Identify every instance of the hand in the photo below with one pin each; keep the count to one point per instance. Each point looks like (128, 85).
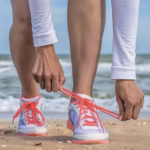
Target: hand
(130, 99)
(47, 69)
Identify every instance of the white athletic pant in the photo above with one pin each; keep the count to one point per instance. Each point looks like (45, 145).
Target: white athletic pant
(125, 21)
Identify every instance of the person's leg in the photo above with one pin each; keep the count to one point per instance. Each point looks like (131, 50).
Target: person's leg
(31, 120)
(21, 46)
(86, 20)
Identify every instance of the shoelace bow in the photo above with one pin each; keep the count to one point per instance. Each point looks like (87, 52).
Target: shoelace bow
(30, 107)
(90, 106)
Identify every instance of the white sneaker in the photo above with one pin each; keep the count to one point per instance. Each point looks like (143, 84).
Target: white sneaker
(31, 122)
(85, 123)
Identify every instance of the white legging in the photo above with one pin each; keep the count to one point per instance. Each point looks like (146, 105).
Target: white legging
(125, 21)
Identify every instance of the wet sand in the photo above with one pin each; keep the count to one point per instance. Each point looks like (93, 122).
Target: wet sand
(130, 135)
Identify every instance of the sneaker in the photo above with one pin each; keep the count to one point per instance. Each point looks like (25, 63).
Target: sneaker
(31, 121)
(85, 123)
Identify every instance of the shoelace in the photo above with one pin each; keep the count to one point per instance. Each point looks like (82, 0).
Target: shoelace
(31, 107)
(91, 106)
(84, 111)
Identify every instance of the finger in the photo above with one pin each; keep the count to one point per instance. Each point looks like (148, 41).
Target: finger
(121, 108)
(128, 113)
(48, 85)
(136, 111)
(34, 73)
(142, 102)
(141, 96)
(42, 83)
(55, 84)
(61, 79)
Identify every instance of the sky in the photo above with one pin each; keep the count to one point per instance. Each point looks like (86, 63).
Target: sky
(59, 9)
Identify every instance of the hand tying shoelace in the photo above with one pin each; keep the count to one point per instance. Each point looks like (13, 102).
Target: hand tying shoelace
(84, 104)
(31, 113)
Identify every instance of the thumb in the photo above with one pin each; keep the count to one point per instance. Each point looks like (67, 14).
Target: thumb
(121, 109)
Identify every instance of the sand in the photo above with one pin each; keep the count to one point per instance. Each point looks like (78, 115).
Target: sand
(130, 135)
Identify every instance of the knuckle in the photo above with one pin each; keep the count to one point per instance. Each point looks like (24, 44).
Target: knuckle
(63, 80)
(39, 75)
(138, 101)
(143, 96)
(55, 75)
(34, 72)
(130, 104)
(47, 75)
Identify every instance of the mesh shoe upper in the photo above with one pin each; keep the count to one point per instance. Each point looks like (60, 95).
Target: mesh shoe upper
(30, 112)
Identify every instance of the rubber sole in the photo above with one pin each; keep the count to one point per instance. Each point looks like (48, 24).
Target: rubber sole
(71, 127)
(33, 134)
(90, 142)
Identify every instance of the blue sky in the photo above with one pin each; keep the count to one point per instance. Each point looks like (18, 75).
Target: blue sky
(59, 8)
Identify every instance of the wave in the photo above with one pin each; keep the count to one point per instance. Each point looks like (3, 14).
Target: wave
(5, 69)
(107, 66)
(65, 63)
(6, 63)
(143, 67)
(102, 66)
(11, 104)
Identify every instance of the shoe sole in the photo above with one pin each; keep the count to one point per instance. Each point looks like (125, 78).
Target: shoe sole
(71, 127)
(33, 134)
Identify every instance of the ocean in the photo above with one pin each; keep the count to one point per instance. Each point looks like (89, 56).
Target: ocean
(55, 105)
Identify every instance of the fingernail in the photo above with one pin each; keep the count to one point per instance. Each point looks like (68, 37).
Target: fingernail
(61, 88)
(120, 117)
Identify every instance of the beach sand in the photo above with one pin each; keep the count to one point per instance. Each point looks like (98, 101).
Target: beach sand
(130, 135)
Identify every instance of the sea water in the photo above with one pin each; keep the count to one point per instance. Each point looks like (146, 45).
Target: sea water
(55, 105)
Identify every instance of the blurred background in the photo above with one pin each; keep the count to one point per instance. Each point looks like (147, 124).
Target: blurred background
(55, 105)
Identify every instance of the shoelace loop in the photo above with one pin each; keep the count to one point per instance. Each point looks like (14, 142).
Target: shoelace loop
(85, 102)
(31, 107)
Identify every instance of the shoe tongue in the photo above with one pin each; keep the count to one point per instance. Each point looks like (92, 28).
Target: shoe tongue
(85, 96)
(90, 100)
(34, 99)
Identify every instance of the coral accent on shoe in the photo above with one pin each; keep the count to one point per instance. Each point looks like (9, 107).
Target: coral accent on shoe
(90, 142)
(82, 102)
(34, 134)
(70, 125)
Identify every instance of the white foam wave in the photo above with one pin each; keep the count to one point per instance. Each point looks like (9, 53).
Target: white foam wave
(11, 104)
(102, 66)
(6, 63)
(143, 68)
(65, 63)
(5, 69)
